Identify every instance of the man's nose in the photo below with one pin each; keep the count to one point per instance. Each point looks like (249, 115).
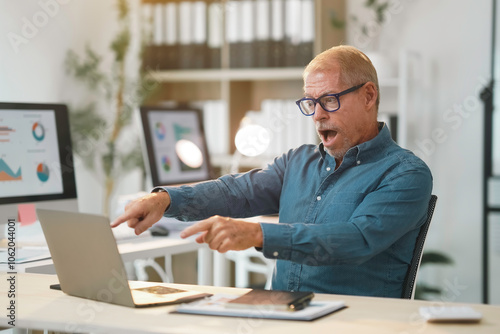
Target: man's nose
(319, 112)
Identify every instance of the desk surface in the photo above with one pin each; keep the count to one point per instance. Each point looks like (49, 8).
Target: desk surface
(38, 307)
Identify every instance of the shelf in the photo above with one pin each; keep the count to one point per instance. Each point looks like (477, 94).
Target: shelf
(247, 74)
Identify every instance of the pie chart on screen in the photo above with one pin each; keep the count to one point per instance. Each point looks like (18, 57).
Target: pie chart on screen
(42, 171)
(38, 131)
(166, 164)
(160, 130)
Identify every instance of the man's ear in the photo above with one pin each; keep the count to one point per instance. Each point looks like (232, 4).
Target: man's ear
(371, 94)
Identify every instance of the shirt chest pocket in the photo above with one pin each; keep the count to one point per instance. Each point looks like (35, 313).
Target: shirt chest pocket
(342, 206)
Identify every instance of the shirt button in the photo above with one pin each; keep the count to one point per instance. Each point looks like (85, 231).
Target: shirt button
(328, 169)
(358, 162)
(275, 254)
(318, 198)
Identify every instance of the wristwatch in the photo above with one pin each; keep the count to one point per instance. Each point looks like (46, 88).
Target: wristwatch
(160, 190)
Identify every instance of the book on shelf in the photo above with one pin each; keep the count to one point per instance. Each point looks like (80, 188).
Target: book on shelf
(277, 47)
(215, 35)
(307, 36)
(262, 33)
(190, 34)
(199, 32)
(170, 48)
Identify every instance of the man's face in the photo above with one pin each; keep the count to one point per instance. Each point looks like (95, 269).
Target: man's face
(342, 129)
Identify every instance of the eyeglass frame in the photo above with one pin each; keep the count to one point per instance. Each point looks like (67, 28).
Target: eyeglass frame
(318, 100)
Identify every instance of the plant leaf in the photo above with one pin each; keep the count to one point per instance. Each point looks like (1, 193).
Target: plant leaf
(436, 257)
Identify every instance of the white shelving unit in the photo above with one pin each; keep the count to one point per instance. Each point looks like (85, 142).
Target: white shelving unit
(244, 89)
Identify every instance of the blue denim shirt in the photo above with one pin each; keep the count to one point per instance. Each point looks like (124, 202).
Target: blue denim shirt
(346, 230)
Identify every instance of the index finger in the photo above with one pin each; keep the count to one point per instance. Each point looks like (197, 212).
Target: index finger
(204, 225)
(127, 215)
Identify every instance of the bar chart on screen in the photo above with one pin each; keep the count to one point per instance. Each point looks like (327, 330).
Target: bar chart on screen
(5, 132)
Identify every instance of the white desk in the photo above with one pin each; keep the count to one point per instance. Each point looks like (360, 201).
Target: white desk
(38, 307)
(213, 267)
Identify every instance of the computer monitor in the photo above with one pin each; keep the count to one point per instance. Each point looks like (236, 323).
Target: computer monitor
(175, 145)
(36, 159)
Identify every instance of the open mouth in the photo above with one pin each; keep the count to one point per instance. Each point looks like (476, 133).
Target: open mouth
(326, 135)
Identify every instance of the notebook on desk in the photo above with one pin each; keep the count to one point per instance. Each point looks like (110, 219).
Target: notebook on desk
(88, 264)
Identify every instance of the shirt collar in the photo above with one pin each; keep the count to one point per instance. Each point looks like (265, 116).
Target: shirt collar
(367, 150)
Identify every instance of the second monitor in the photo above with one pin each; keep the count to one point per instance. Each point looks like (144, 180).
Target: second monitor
(175, 144)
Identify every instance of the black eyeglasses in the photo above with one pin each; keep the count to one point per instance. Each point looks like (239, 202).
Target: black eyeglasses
(329, 102)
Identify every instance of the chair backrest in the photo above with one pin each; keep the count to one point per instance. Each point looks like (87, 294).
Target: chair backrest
(411, 275)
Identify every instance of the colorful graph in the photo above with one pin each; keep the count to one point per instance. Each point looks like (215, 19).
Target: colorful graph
(166, 163)
(42, 171)
(7, 174)
(38, 131)
(5, 131)
(181, 132)
(160, 130)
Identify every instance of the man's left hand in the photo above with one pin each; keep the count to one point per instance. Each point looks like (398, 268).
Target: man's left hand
(224, 234)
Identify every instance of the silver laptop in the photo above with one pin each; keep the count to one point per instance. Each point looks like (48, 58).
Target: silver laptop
(88, 263)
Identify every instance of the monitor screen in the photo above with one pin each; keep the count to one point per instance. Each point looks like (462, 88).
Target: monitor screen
(175, 145)
(36, 160)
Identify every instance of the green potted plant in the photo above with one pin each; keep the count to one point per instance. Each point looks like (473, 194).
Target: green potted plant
(366, 24)
(423, 289)
(113, 94)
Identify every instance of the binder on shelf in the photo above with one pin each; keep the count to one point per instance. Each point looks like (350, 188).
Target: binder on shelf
(199, 34)
(277, 34)
(286, 125)
(215, 125)
(169, 59)
(185, 35)
(158, 31)
(262, 33)
(147, 35)
(247, 34)
(293, 25)
(232, 13)
(215, 35)
(306, 48)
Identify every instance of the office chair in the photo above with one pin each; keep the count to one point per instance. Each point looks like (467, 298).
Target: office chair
(411, 275)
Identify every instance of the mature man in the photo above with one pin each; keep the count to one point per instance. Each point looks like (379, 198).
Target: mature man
(349, 209)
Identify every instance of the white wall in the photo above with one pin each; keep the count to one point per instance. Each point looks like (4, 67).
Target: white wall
(35, 36)
(453, 38)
